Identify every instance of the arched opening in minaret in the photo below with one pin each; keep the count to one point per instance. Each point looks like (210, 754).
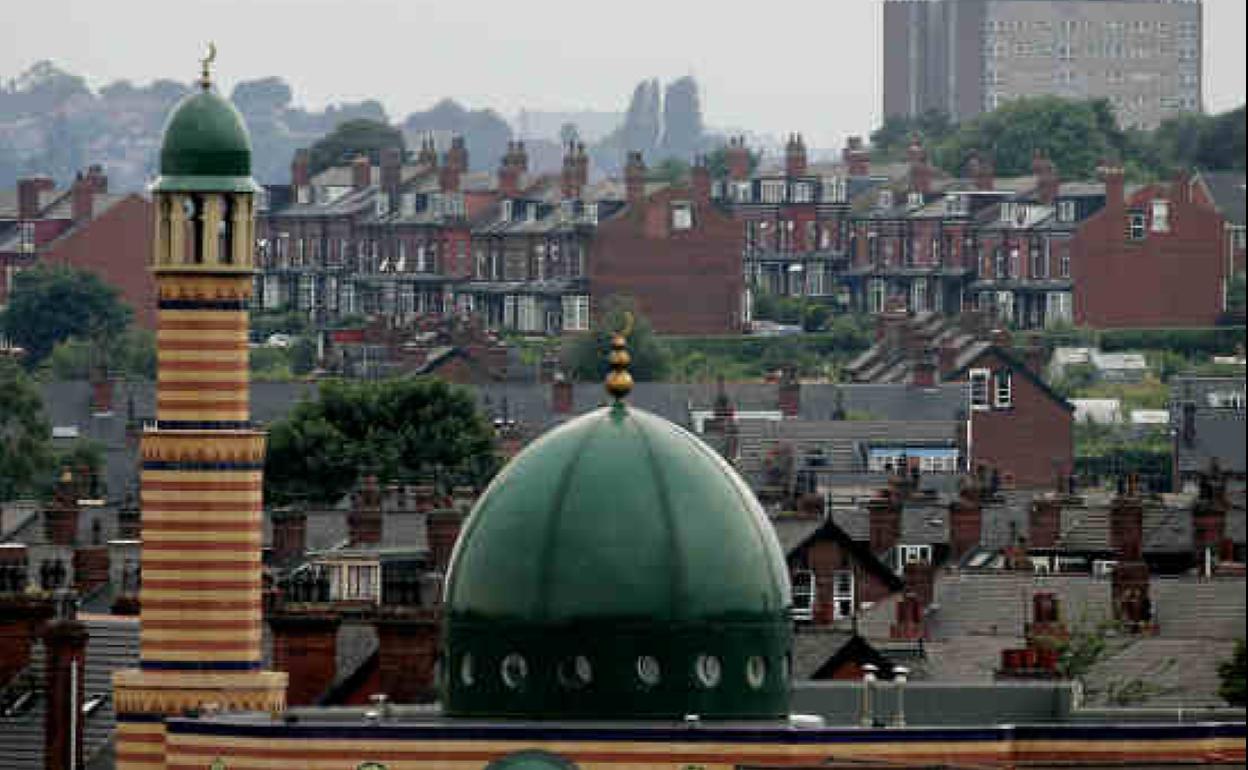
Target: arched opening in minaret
(193, 208)
(225, 231)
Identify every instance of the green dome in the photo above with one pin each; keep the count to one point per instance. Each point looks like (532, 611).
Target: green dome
(617, 568)
(205, 147)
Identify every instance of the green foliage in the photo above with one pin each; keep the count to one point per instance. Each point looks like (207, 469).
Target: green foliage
(1232, 675)
(132, 355)
(1236, 294)
(717, 162)
(892, 138)
(303, 356)
(1202, 141)
(25, 436)
(1075, 135)
(585, 356)
(1090, 644)
(396, 430)
(290, 322)
(819, 355)
(354, 137)
(270, 364)
(52, 304)
(670, 170)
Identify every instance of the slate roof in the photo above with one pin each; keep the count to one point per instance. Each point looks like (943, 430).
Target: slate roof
(975, 615)
(1227, 190)
(842, 444)
(112, 644)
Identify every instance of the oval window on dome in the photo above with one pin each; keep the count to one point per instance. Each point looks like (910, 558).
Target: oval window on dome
(755, 672)
(467, 674)
(515, 670)
(708, 670)
(576, 672)
(648, 670)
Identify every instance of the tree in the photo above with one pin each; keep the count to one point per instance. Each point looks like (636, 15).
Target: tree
(1232, 673)
(303, 356)
(52, 304)
(394, 430)
(1076, 136)
(354, 137)
(25, 437)
(586, 355)
(892, 138)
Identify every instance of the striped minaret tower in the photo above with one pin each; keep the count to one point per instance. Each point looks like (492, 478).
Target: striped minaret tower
(202, 461)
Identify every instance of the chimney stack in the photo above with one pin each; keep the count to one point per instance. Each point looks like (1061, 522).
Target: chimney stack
(364, 521)
(795, 156)
(884, 513)
(789, 394)
(305, 646)
(1113, 176)
(290, 534)
(60, 516)
(361, 172)
(634, 178)
(700, 180)
(923, 372)
(920, 171)
(455, 165)
(509, 172)
(301, 169)
(82, 200)
(65, 645)
(392, 174)
(856, 158)
(28, 191)
(561, 397)
(428, 154)
(737, 157)
(1044, 522)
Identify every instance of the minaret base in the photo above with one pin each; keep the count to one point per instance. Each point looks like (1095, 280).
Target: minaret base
(171, 693)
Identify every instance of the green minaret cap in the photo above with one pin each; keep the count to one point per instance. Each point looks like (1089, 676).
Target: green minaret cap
(206, 146)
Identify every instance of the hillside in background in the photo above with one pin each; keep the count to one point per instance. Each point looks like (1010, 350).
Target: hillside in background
(53, 123)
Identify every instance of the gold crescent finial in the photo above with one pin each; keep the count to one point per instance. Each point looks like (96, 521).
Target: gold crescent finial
(205, 78)
(619, 382)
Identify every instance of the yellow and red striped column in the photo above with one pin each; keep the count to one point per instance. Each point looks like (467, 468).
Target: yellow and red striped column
(202, 498)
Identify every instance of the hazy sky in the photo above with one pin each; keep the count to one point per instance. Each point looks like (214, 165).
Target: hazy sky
(776, 66)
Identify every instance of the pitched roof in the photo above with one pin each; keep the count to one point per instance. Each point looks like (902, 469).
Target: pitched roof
(1226, 188)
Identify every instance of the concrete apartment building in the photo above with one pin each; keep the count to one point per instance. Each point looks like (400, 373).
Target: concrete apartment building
(969, 56)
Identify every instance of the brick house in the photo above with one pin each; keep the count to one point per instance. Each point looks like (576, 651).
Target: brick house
(84, 227)
(1149, 259)
(675, 252)
(1018, 425)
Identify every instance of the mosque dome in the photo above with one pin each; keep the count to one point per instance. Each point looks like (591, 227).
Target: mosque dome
(617, 568)
(205, 147)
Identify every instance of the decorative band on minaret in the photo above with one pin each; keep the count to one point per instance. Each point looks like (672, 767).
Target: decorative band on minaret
(202, 477)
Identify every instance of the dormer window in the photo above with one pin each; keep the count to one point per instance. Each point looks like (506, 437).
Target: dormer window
(1007, 211)
(682, 215)
(506, 213)
(802, 192)
(886, 199)
(773, 192)
(914, 199)
(1161, 216)
(1066, 211)
(591, 213)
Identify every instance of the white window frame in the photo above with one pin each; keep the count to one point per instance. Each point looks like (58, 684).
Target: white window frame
(1160, 215)
(914, 554)
(575, 312)
(842, 594)
(682, 216)
(1003, 393)
(980, 381)
(803, 591)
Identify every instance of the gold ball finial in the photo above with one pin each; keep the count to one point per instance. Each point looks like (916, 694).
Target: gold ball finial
(205, 76)
(619, 382)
